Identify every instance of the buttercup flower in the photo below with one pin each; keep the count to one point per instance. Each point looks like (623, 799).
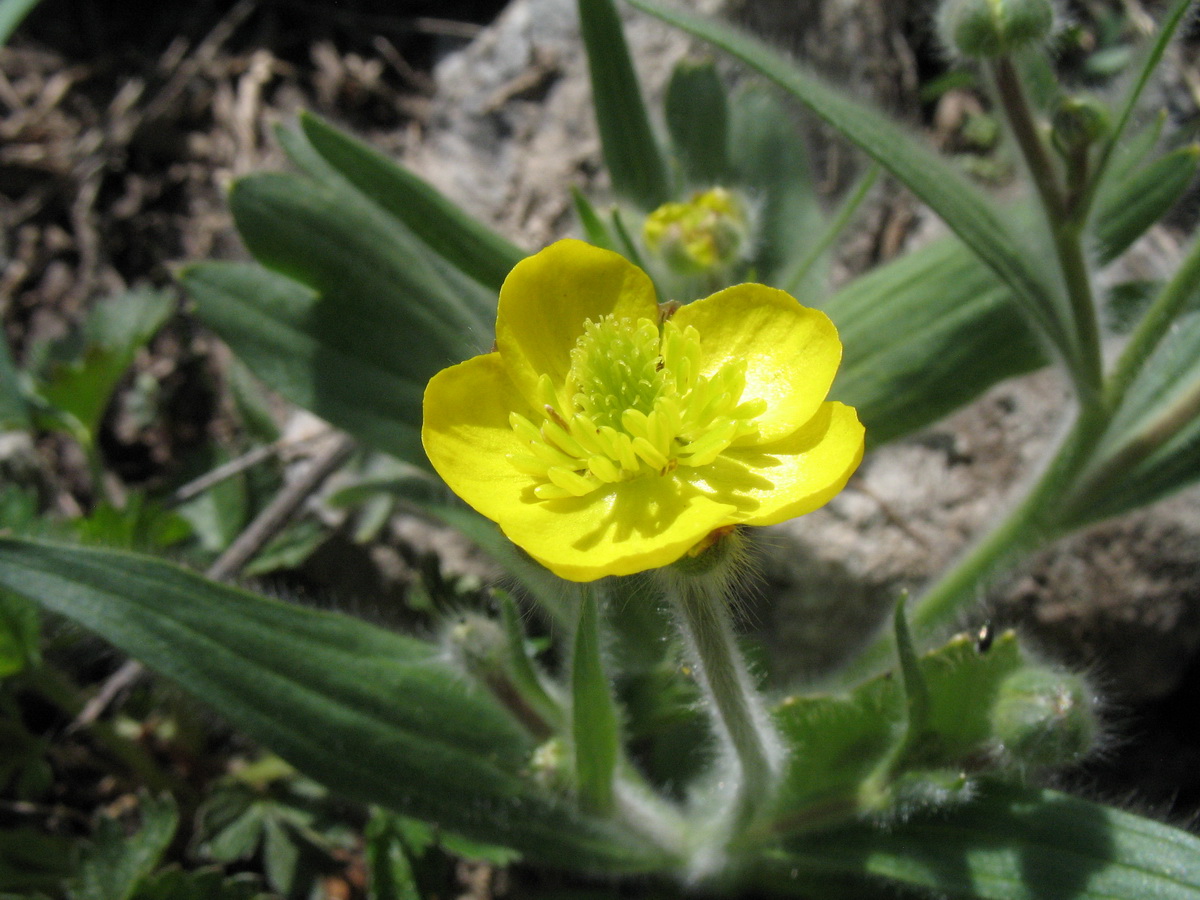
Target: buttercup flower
(607, 436)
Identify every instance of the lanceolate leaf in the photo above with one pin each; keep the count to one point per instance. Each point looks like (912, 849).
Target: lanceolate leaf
(972, 216)
(924, 335)
(330, 364)
(1010, 843)
(461, 240)
(631, 152)
(697, 116)
(378, 717)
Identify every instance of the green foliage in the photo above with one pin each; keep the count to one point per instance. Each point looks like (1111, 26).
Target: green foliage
(115, 863)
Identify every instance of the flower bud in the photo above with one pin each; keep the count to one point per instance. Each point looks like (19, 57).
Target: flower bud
(1043, 717)
(705, 233)
(990, 28)
(1077, 124)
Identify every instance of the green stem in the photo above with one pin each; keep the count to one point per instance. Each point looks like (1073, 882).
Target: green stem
(593, 712)
(741, 716)
(1066, 231)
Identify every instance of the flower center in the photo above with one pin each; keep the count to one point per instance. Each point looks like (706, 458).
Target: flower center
(633, 404)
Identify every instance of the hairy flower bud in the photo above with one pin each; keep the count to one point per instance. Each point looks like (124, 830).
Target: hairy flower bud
(990, 28)
(1078, 123)
(1044, 717)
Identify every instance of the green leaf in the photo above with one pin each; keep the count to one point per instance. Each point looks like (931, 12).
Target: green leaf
(12, 13)
(1010, 843)
(593, 712)
(631, 152)
(461, 240)
(364, 262)
(320, 360)
(1127, 209)
(81, 383)
(593, 225)
(376, 716)
(201, 884)
(14, 412)
(697, 118)
(837, 742)
(31, 860)
(971, 215)
(390, 872)
(20, 628)
(768, 156)
(923, 335)
(115, 863)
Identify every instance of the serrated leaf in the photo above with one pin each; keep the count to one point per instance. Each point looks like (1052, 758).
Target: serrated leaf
(115, 863)
(1010, 843)
(630, 149)
(375, 716)
(973, 217)
(464, 242)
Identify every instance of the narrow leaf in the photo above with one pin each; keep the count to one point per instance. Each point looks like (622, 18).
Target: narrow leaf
(1010, 843)
(464, 242)
(13, 412)
(768, 156)
(972, 216)
(697, 117)
(631, 152)
(376, 716)
(332, 364)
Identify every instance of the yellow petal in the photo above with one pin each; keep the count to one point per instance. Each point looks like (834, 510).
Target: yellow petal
(547, 297)
(791, 352)
(624, 528)
(468, 437)
(775, 482)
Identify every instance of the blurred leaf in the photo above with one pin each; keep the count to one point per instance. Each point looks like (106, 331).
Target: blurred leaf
(768, 156)
(20, 629)
(1010, 843)
(115, 862)
(375, 716)
(14, 413)
(253, 404)
(923, 335)
(12, 13)
(973, 217)
(631, 152)
(593, 225)
(1128, 208)
(31, 860)
(201, 884)
(1152, 445)
(697, 118)
(83, 373)
(464, 242)
(390, 872)
(288, 549)
(141, 524)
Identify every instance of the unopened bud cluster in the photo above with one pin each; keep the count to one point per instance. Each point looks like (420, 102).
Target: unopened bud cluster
(989, 28)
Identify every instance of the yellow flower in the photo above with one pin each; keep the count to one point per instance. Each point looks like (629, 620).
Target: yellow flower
(607, 436)
(706, 231)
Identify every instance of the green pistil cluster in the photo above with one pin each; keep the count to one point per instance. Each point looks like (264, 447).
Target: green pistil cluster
(637, 406)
